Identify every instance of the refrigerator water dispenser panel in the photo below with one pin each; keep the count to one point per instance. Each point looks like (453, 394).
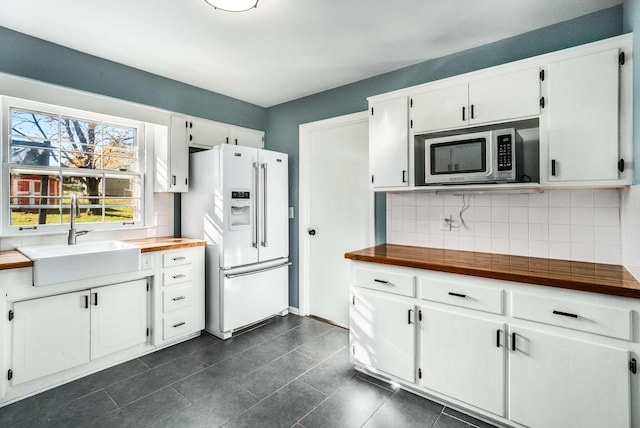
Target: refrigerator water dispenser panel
(240, 210)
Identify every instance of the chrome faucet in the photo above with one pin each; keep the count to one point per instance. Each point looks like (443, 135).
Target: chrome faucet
(75, 211)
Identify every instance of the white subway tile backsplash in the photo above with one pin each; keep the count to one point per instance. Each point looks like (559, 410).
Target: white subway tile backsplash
(409, 199)
(396, 199)
(565, 224)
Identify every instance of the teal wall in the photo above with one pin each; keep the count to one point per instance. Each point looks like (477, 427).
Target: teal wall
(632, 21)
(28, 56)
(283, 120)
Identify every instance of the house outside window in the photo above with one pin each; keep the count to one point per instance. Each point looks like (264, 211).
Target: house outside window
(52, 152)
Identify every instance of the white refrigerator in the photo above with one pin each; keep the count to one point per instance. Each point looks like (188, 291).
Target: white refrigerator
(238, 203)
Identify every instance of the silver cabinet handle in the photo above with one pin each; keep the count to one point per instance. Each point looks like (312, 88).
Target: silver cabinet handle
(180, 324)
(175, 299)
(264, 206)
(256, 178)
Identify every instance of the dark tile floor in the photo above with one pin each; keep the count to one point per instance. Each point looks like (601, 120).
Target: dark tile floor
(290, 372)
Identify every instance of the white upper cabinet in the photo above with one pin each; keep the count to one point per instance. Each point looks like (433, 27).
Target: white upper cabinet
(582, 119)
(246, 137)
(503, 97)
(171, 156)
(389, 143)
(205, 133)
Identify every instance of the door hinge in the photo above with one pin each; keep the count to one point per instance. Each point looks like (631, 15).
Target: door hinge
(621, 58)
(542, 103)
(371, 111)
(633, 366)
(419, 373)
(9, 374)
(542, 75)
(148, 331)
(11, 315)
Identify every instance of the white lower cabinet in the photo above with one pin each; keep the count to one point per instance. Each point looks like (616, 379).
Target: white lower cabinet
(519, 354)
(382, 331)
(463, 357)
(55, 333)
(556, 381)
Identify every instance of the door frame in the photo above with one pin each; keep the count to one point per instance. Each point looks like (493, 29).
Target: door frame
(304, 198)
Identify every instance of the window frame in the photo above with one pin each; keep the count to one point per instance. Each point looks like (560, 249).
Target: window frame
(142, 168)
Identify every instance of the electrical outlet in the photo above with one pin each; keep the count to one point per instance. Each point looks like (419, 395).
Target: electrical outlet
(445, 223)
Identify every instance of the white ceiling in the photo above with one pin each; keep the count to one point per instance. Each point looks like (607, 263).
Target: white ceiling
(283, 49)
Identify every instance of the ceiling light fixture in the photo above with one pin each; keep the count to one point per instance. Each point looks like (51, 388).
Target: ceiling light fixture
(233, 5)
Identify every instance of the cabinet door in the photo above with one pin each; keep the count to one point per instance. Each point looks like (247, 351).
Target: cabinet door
(506, 97)
(118, 317)
(50, 334)
(382, 334)
(463, 357)
(559, 382)
(583, 116)
(440, 109)
(178, 156)
(389, 143)
(247, 137)
(206, 134)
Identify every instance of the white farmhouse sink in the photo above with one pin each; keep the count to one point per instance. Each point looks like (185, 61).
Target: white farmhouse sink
(53, 264)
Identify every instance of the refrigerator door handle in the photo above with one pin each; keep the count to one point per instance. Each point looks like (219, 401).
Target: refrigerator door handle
(264, 206)
(256, 179)
(236, 275)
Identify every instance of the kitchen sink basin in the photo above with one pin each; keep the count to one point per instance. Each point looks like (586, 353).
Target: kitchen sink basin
(53, 264)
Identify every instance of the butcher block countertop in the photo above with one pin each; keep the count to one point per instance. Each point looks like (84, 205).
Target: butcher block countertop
(594, 277)
(12, 259)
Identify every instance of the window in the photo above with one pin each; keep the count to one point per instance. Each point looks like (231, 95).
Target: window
(53, 153)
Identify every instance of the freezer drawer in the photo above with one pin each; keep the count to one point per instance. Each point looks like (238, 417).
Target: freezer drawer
(251, 297)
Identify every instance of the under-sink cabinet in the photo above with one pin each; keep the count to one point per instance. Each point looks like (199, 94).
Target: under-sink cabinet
(54, 334)
(59, 332)
(517, 354)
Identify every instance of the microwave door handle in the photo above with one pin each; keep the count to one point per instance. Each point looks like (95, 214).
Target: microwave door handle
(264, 206)
(256, 179)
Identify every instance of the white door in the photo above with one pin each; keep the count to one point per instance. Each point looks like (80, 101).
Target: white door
(336, 210)
(389, 143)
(240, 176)
(463, 357)
(559, 382)
(440, 109)
(273, 216)
(583, 115)
(118, 317)
(508, 96)
(50, 334)
(383, 334)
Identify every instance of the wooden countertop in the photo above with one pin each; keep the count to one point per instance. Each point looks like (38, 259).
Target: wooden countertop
(594, 277)
(12, 259)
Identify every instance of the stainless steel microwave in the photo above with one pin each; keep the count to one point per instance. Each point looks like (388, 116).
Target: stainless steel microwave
(481, 157)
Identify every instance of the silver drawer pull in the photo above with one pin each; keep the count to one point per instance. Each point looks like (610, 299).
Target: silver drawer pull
(178, 276)
(180, 324)
(175, 299)
(565, 314)
(177, 259)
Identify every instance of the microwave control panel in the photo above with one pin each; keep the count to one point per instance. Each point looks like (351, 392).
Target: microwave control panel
(505, 152)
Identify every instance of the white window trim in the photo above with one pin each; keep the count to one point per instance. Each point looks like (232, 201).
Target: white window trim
(145, 163)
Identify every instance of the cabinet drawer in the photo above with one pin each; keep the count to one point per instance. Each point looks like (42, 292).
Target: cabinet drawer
(478, 297)
(176, 276)
(177, 324)
(177, 297)
(177, 258)
(604, 320)
(385, 281)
